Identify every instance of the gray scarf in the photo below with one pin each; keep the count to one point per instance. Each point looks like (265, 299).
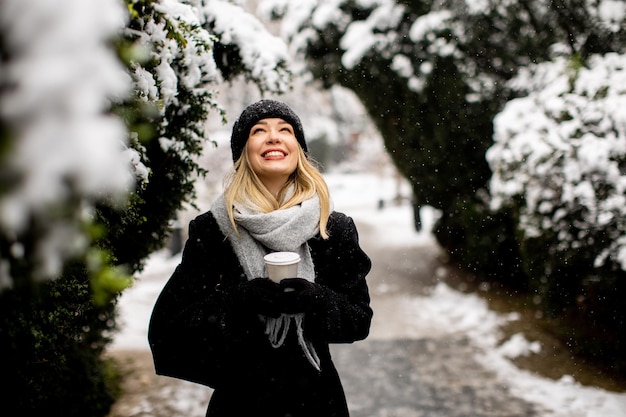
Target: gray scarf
(279, 230)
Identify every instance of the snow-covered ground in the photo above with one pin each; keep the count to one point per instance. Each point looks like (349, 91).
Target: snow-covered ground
(358, 195)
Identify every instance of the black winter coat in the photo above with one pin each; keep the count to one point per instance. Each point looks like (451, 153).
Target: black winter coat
(197, 334)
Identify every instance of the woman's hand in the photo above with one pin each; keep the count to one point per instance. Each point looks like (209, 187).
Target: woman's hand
(299, 295)
(260, 295)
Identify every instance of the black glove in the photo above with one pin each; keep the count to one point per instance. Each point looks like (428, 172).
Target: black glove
(299, 295)
(260, 295)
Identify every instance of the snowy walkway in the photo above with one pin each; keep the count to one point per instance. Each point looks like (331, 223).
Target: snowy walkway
(432, 351)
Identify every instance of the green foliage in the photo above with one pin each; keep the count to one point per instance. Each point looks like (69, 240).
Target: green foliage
(143, 226)
(585, 303)
(482, 242)
(52, 336)
(107, 280)
(53, 333)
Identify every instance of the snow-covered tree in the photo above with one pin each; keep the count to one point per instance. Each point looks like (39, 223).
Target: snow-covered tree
(433, 75)
(97, 157)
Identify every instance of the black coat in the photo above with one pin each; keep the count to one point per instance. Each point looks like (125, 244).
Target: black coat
(197, 334)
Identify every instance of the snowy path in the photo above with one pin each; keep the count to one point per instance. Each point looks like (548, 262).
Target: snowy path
(432, 351)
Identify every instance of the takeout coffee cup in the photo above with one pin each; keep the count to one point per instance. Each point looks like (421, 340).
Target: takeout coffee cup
(281, 265)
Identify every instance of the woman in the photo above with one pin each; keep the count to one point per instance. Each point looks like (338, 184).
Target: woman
(263, 346)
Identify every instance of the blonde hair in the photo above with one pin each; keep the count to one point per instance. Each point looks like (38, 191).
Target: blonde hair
(243, 186)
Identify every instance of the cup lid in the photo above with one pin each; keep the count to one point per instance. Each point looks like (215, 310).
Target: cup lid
(282, 258)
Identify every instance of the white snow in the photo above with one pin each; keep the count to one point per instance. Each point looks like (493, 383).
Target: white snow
(559, 147)
(260, 50)
(64, 146)
(362, 36)
(443, 310)
(425, 25)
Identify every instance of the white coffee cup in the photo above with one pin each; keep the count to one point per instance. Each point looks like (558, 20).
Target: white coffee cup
(281, 265)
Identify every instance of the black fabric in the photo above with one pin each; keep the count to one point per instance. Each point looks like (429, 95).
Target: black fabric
(260, 295)
(299, 295)
(263, 109)
(200, 332)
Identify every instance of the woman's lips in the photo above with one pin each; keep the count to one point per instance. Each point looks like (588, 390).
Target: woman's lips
(273, 154)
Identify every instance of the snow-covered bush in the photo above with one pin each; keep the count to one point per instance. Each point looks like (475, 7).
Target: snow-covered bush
(61, 149)
(434, 74)
(97, 157)
(192, 47)
(62, 152)
(559, 165)
(559, 158)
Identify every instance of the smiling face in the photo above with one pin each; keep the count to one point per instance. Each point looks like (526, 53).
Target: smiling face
(272, 150)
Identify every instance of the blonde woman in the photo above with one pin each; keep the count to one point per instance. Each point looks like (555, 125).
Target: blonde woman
(264, 346)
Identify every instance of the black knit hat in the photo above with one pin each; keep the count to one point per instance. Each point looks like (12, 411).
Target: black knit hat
(263, 109)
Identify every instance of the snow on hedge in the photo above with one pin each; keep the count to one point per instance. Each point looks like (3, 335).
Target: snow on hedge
(65, 150)
(560, 155)
(263, 55)
(182, 36)
(381, 33)
(58, 79)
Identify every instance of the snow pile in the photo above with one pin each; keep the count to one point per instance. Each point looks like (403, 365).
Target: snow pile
(517, 346)
(456, 313)
(449, 312)
(469, 315)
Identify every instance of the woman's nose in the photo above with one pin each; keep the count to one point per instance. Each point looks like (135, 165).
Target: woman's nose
(273, 136)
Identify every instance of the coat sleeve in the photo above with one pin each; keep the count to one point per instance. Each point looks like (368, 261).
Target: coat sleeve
(344, 315)
(186, 331)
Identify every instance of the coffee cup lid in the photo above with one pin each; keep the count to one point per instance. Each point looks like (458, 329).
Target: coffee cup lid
(282, 258)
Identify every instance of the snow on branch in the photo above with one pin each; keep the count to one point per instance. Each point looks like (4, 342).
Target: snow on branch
(61, 147)
(264, 56)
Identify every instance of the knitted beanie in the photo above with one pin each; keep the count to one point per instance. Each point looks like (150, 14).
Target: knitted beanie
(263, 109)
